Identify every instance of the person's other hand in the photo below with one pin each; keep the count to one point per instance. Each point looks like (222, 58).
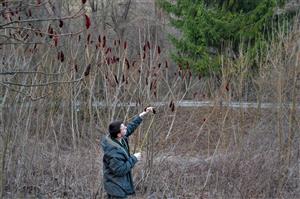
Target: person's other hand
(138, 156)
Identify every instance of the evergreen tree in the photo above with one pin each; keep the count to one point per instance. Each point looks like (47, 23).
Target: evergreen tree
(211, 28)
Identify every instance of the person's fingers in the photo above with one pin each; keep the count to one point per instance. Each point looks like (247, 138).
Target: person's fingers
(150, 108)
(138, 155)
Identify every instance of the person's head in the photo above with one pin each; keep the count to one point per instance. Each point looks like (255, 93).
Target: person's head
(117, 129)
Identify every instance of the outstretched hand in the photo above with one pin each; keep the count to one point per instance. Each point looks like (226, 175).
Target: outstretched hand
(147, 110)
(150, 109)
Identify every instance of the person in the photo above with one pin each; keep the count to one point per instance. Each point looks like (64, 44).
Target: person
(117, 160)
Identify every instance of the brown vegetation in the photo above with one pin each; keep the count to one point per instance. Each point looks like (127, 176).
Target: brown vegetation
(58, 98)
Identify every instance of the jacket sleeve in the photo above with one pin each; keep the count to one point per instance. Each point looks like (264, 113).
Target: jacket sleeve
(121, 167)
(133, 125)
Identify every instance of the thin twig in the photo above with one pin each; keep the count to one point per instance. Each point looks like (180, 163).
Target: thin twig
(147, 133)
(23, 93)
(28, 72)
(43, 84)
(78, 14)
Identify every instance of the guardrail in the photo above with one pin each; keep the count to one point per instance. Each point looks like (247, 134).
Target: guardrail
(190, 103)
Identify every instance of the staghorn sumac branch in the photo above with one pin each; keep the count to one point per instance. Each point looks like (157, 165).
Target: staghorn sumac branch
(24, 93)
(76, 15)
(28, 72)
(43, 84)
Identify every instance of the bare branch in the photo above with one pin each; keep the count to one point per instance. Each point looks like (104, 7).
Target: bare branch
(20, 43)
(44, 84)
(78, 14)
(28, 72)
(45, 33)
(23, 93)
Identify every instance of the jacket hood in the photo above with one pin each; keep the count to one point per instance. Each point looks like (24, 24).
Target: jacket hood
(108, 145)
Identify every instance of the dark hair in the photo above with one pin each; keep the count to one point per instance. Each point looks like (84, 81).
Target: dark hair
(114, 128)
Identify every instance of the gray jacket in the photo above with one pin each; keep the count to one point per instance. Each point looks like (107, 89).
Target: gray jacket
(117, 164)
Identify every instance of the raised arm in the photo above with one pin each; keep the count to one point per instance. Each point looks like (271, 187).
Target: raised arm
(133, 125)
(137, 121)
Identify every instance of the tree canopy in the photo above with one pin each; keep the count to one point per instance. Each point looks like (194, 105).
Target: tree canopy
(214, 28)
